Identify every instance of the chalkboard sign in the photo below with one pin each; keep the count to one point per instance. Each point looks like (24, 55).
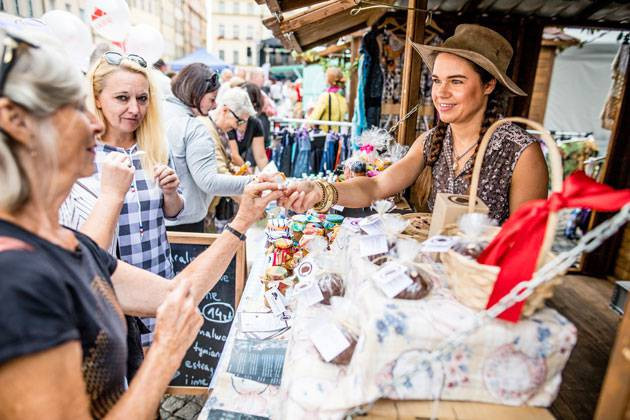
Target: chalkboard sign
(218, 308)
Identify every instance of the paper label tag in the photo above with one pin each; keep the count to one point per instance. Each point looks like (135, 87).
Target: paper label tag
(305, 270)
(309, 293)
(329, 340)
(392, 279)
(337, 207)
(261, 322)
(438, 243)
(372, 225)
(352, 224)
(373, 245)
(275, 301)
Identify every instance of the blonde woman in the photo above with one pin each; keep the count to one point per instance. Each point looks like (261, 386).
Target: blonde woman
(124, 98)
(62, 347)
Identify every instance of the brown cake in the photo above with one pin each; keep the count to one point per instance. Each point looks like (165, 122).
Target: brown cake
(331, 284)
(417, 290)
(345, 356)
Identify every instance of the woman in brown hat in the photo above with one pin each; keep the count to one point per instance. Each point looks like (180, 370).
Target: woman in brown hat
(469, 91)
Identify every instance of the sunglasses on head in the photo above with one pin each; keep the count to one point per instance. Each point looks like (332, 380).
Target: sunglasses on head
(11, 46)
(212, 83)
(239, 120)
(115, 58)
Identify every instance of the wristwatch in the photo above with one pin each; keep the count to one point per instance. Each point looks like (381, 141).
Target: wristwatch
(235, 232)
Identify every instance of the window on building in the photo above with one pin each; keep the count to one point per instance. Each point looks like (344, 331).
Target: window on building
(222, 54)
(30, 8)
(221, 30)
(250, 32)
(68, 7)
(17, 7)
(221, 6)
(235, 57)
(235, 31)
(236, 7)
(250, 56)
(250, 8)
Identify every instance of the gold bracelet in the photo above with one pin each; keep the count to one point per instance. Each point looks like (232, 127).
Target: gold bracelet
(328, 200)
(335, 194)
(320, 205)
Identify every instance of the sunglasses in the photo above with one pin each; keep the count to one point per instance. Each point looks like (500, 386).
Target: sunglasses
(239, 120)
(212, 83)
(115, 58)
(11, 47)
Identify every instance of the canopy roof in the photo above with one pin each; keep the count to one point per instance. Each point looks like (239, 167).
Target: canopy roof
(200, 56)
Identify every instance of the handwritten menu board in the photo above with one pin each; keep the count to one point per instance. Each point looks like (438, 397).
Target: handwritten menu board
(217, 307)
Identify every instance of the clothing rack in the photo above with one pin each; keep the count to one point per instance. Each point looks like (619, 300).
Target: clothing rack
(313, 122)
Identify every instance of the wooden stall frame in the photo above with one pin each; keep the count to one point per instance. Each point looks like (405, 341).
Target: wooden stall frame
(241, 272)
(412, 65)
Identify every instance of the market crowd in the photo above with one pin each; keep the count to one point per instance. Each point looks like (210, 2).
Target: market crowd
(96, 168)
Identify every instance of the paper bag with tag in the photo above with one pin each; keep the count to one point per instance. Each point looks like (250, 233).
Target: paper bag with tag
(448, 208)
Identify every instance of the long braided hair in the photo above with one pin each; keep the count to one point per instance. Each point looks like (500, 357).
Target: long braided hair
(495, 108)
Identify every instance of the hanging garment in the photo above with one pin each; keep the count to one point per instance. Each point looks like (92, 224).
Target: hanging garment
(358, 119)
(286, 158)
(613, 103)
(303, 161)
(329, 156)
(374, 86)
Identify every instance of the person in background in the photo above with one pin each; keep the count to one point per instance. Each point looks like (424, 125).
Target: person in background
(62, 298)
(248, 142)
(124, 97)
(241, 72)
(226, 76)
(257, 77)
(193, 148)
(163, 81)
(233, 112)
(331, 105)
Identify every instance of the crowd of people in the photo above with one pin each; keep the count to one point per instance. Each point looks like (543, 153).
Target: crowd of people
(96, 169)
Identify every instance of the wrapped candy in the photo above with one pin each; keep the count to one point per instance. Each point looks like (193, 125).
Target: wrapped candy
(282, 252)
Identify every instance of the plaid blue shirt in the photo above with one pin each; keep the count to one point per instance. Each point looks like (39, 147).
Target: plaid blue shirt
(141, 229)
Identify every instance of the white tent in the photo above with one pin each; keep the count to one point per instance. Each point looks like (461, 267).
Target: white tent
(580, 83)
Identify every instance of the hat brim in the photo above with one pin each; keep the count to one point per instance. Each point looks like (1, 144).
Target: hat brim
(428, 53)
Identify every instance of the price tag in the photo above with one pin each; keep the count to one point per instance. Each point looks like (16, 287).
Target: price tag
(373, 245)
(329, 340)
(392, 279)
(438, 243)
(338, 207)
(276, 301)
(309, 293)
(260, 322)
(372, 225)
(305, 270)
(352, 224)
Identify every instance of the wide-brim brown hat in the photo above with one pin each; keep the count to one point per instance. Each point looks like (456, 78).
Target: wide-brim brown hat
(481, 45)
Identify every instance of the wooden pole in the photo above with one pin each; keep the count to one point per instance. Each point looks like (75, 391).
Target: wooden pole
(411, 71)
(354, 75)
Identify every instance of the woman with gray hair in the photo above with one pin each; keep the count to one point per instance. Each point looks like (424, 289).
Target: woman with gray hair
(62, 298)
(192, 147)
(233, 110)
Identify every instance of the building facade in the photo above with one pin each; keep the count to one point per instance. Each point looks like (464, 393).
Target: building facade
(235, 30)
(182, 23)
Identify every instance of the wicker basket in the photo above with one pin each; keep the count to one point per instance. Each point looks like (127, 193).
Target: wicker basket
(471, 282)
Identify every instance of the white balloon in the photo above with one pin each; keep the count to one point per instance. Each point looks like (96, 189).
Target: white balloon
(74, 35)
(110, 19)
(145, 41)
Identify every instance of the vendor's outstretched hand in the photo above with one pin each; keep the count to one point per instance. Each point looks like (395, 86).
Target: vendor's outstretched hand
(301, 196)
(253, 203)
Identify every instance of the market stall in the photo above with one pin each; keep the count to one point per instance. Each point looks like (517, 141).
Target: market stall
(522, 24)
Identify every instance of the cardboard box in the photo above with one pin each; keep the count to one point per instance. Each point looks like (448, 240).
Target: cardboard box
(448, 208)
